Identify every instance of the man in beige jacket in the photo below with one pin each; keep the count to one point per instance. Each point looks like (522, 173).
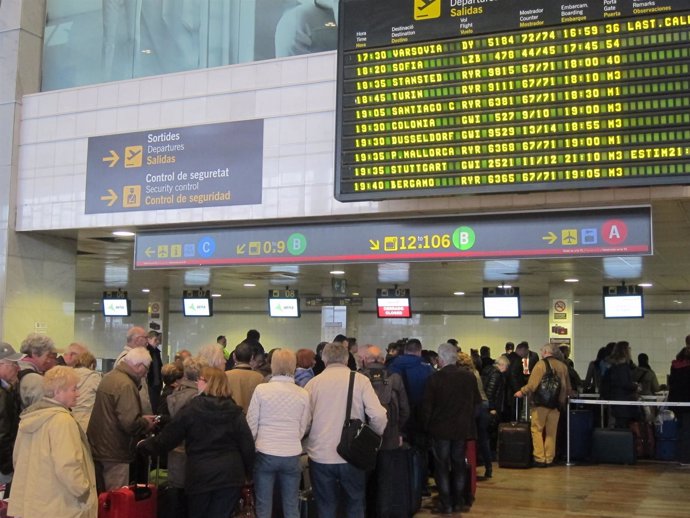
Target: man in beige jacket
(544, 420)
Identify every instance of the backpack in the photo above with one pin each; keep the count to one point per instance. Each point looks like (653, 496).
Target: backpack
(549, 389)
(384, 391)
(17, 390)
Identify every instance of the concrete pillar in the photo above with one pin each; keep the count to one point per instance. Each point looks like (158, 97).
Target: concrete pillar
(37, 273)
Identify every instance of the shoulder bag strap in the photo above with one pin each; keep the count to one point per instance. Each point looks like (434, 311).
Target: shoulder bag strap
(548, 365)
(349, 396)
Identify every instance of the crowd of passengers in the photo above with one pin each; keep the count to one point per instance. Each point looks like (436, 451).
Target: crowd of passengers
(226, 418)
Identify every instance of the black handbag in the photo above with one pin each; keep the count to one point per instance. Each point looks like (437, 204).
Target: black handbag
(359, 443)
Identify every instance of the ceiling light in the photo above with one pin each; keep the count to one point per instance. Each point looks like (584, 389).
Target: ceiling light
(249, 285)
(96, 303)
(571, 280)
(504, 286)
(216, 295)
(645, 285)
(337, 272)
(355, 294)
(458, 293)
(146, 290)
(123, 233)
(677, 301)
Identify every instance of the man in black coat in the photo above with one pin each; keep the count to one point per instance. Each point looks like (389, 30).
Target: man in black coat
(521, 365)
(154, 376)
(450, 398)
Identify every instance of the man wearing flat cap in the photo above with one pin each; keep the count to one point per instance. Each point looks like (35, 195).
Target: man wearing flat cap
(9, 411)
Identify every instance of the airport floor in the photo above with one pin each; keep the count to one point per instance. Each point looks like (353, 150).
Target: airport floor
(647, 489)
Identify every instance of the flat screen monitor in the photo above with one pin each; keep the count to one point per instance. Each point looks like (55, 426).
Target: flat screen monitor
(393, 307)
(501, 303)
(285, 307)
(117, 307)
(197, 306)
(623, 306)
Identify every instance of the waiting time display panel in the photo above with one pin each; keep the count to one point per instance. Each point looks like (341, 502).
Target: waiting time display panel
(447, 97)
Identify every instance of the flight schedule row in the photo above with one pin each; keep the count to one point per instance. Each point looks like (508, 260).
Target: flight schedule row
(508, 180)
(535, 43)
(432, 102)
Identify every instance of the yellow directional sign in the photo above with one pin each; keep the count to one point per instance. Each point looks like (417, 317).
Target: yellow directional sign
(113, 158)
(427, 9)
(240, 249)
(133, 156)
(111, 197)
(550, 237)
(149, 251)
(374, 244)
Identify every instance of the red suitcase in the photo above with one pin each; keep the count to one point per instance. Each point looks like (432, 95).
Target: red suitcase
(136, 501)
(470, 489)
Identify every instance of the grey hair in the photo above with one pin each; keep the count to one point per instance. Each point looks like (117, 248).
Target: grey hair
(192, 368)
(283, 363)
(448, 354)
(551, 349)
(35, 345)
(335, 353)
(137, 356)
(212, 355)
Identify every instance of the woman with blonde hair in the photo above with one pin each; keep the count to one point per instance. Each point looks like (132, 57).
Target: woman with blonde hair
(218, 443)
(53, 469)
(88, 383)
(278, 416)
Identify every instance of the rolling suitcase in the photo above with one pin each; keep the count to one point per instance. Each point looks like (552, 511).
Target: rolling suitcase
(470, 488)
(666, 432)
(135, 501)
(581, 426)
(416, 472)
(613, 446)
(515, 443)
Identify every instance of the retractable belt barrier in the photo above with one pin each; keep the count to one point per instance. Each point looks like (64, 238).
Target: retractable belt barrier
(603, 402)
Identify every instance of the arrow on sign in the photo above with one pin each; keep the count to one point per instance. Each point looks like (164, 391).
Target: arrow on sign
(374, 244)
(114, 158)
(149, 252)
(240, 249)
(550, 237)
(110, 198)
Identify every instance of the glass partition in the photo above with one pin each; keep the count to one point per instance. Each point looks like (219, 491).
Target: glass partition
(97, 41)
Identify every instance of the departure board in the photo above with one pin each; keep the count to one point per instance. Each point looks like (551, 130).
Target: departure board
(447, 97)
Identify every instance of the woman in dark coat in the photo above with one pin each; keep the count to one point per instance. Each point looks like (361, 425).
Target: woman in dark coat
(494, 378)
(219, 446)
(679, 392)
(618, 385)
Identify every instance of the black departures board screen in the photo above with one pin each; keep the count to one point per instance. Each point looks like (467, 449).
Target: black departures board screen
(447, 97)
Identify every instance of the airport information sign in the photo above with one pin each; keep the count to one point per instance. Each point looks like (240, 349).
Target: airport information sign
(446, 97)
(581, 233)
(176, 168)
